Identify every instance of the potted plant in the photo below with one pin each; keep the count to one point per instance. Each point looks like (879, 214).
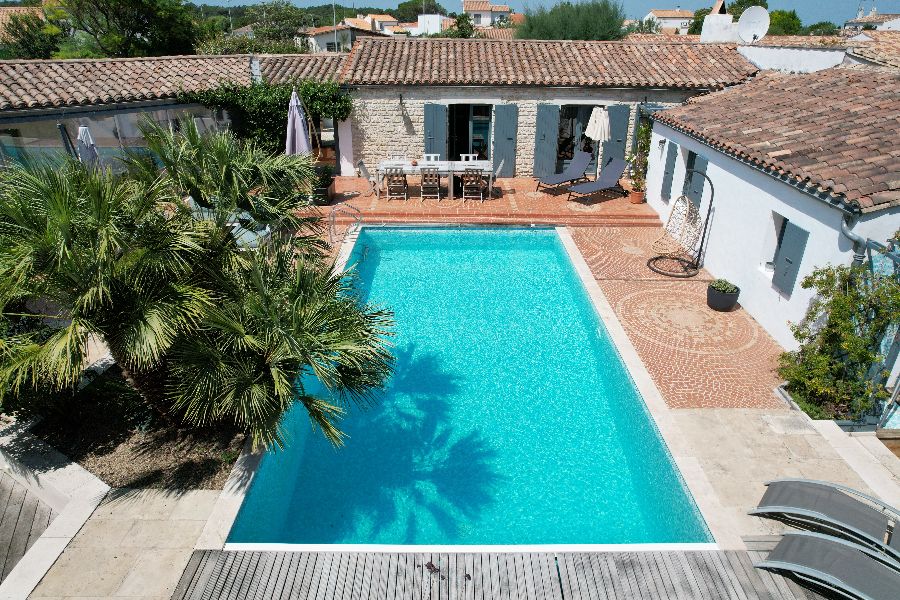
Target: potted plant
(638, 160)
(324, 185)
(722, 295)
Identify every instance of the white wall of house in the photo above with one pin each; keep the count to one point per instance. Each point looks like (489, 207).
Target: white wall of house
(743, 228)
(793, 60)
(678, 23)
(481, 18)
(319, 43)
(892, 25)
(382, 127)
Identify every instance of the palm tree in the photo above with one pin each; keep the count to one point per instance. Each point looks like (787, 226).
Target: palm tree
(205, 331)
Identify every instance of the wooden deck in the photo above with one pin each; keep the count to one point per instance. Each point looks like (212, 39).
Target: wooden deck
(711, 575)
(23, 518)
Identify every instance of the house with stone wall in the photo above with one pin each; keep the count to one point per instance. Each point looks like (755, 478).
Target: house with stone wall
(524, 103)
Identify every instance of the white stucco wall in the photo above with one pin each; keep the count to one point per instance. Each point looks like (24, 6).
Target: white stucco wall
(793, 60)
(742, 234)
(382, 127)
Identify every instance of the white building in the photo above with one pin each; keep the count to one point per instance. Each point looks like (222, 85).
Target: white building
(672, 21)
(335, 39)
(793, 190)
(485, 14)
(874, 20)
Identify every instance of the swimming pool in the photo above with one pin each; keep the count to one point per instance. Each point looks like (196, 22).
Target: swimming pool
(510, 418)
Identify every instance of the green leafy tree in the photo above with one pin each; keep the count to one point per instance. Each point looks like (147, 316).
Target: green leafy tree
(696, 27)
(463, 28)
(29, 36)
(409, 11)
(737, 8)
(785, 22)
(225, 43)
(123, 28)
(277, 21)
(822, 28)
(204, 331)
(831, 373)
(591, 20)
(649, 25)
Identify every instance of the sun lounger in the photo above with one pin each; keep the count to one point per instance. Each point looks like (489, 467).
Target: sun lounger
(835, 566)
(574, 172)
(833, 509)
(608, 180)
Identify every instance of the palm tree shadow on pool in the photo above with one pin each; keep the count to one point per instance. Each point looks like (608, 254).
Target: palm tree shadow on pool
(405, 464)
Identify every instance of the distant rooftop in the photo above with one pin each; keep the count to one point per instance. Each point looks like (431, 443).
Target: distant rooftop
(883, 49)
(663, 13)
(874, 19)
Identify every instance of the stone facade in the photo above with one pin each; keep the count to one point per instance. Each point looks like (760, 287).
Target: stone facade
(389, 120)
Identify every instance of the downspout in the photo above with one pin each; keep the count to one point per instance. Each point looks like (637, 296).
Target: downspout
(859, 242)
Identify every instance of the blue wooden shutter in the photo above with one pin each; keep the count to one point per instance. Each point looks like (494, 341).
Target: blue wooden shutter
(619, 118)
(788, 257)
(506, 117)
(436, 130)
(669, 169)
(546, 138)
(694, 182)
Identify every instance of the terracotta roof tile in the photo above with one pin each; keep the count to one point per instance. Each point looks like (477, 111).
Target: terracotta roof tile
(876, 19)
(376, 61)
(479, 5)
(497, 33)
(54, 83)
(278, 68)
(6, 13)
(672, 13)
(831, 131)
(884, 48)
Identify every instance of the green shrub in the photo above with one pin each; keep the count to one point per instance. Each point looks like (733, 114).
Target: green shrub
(835, 368)
(724, 286)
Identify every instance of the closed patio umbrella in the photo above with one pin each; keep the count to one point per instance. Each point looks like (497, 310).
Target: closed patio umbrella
(297, 133)
(87, 151)
(598, 125)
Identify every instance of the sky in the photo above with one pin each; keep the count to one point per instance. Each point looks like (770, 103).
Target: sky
(810, 11)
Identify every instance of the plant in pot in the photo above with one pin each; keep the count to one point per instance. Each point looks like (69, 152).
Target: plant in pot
(324, 180)
(722, 295)
(638, 160)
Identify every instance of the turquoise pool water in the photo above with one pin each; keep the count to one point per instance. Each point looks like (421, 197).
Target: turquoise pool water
(510, 418)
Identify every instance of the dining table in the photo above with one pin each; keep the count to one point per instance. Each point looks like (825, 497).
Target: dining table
(447, 168)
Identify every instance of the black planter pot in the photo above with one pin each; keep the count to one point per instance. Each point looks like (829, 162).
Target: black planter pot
(721, 301)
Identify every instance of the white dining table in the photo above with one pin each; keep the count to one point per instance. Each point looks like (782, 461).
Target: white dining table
(448, 168)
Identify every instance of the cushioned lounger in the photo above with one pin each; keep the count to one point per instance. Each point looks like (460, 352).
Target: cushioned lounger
(575, 171)
(835, 566)
(608, 180)
(832, 509)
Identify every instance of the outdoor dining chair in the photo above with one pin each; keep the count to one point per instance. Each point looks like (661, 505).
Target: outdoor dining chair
(473, 185)
(495, 190)
(431, 184)
(397, 186)
(431, 157)
(468, 157)
(364, 173)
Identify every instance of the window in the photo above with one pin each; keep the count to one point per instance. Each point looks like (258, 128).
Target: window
(694, 181)
(331, 47)
(790, 244)
(476, 19)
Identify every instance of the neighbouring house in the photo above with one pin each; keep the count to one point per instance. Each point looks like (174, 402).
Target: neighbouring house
(381, 23)
(677, 21)
(245, 31)
(874, 20)
(485, 14)
(525, 103)
(802, 166)
(329, 38)
(43, 102)
(879, 47)
(7, 12)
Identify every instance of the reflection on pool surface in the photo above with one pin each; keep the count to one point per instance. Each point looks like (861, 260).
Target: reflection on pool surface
(510, 418)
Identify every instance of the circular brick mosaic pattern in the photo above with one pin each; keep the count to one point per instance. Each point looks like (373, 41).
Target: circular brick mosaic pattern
(681, 319)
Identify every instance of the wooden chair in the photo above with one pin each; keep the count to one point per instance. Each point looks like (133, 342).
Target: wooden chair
(495, 191)
(431, 157)
(468, 157)
(473, 185)
(431, 184)
(365, 174)
(397, 186)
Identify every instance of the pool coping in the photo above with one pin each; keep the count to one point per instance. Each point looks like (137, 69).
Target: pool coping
(718, 521)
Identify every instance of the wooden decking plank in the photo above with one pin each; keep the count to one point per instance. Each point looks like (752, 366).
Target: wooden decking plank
(608, 590)
(314, 580)
(19, 542)
(42, 519)
(680, 559)
(233, 574)
(706, 562)
(765, 582)
(376, 581)
(502, 576)
(287, 579)
(189, 575)
(239, 589)
(512, 577)
(539, 592)
(550, 576)
(778, 581)
(492, 581)
(327, 580)
(730, 576)
(625, 566)
(751, 588)
(664, 581)
(406, 567)
(391, 577)
(478, 578)
(521, 586)
(347, 561)
(8, 523)
(645, 574)
(592, 580)
(358, 574)
(260, 574)
(580, 588)
(568, 579)
(265, 590)
(223, 567)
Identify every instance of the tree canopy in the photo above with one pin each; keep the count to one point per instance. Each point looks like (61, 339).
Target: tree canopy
(784, 22)
(737, 8)
(696, 27)
(29, 36)
(409, 11)
(590, 20)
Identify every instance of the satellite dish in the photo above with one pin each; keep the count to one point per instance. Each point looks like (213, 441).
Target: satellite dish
(753, 24)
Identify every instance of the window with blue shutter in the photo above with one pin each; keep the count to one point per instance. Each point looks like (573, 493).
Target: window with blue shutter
(436, 130)
(788, 256)
(693, 180)
(506, 118)
(669, 169)
(619, 119)
(545, 139)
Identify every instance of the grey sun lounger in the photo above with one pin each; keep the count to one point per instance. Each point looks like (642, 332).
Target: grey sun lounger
(835, 510)
(574, 172)
(835, 566)
(608, 180)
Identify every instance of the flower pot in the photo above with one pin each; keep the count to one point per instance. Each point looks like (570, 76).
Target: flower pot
(721, 301)
(636, 197)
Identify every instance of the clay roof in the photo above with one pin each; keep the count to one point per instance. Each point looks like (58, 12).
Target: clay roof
(397, 29)
(479, 5)
(876, 19)
(805, 41)
(381, 18)
(325, 29)
(517, 19)
(661, 38)
(278, 68)
(6, 13)
(883, 49)
(56, 83)
(672, 14)
(392, 61)
(500, 8)
(358, 23)
(835, 132)
(497, 33)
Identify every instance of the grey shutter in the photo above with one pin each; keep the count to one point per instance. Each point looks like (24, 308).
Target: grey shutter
(789, 257)
(436, 130)
(546, 138)
(506, 117)
(669, 169)
(619, 118)
(694, 182)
